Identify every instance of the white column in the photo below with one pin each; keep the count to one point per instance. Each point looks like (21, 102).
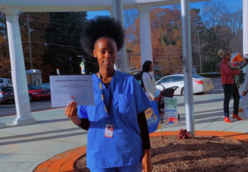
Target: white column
(117, 12)
(187, 65)
(145, 34)
(114, 16)
(245, 27)
(18, 69)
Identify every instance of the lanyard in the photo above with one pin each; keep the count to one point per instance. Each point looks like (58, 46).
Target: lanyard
(107, 109)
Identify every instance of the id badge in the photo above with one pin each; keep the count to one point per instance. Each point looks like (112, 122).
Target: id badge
(109, 131)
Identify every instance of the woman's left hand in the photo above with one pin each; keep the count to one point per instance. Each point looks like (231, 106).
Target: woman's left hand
(147, 161)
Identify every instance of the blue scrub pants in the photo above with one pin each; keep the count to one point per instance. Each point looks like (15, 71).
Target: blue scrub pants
(132, 168)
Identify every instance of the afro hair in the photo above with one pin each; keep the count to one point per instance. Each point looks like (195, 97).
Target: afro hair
(101, 26)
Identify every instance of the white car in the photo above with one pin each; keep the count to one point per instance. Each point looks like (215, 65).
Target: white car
(5, 82)
(200, 84)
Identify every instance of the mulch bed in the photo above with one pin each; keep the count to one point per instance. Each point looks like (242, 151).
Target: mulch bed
(201, 154)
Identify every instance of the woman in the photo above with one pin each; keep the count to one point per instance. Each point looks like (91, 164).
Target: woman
(149, 82)
(118, 138)
(229, 85)
(240, 62)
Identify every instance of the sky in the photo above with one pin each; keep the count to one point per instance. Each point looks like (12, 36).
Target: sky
(232, 6)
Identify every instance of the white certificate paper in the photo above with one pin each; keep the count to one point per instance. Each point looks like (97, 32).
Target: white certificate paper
(68, 88)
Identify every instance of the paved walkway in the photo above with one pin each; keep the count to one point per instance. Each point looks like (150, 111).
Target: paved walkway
(23, 148)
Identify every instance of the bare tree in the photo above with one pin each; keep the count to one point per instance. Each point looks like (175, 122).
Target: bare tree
(214, 17)
(236, 21)
(236, 25)
(130, 16)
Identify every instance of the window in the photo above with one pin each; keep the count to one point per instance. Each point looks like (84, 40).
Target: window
(1, 80)
(9, 82)
(33, 87)
(9, 89)
(177, 78)
(165, 80)
(4, 89)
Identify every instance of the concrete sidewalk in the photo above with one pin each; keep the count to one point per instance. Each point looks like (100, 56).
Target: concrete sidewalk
(22, 148)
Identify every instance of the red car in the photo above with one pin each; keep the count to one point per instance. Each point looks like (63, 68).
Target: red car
(36, 93)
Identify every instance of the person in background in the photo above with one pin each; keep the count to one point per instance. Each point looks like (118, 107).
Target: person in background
(236, 61)
(149, 83)
(118, 135)
(229, 85)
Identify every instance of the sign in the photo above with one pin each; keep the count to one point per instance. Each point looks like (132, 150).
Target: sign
(152, 117)
(82, 68)
(68, 88)
(170, 113)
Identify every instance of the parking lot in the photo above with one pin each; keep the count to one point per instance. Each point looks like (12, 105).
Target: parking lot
(9, 108)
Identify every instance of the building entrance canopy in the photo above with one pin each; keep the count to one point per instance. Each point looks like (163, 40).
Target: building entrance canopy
(80, 5)
(12, 7)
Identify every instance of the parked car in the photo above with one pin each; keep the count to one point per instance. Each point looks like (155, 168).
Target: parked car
(45, 86)
(5, 82)
(200, 84)
(36, 93)
(6, 94)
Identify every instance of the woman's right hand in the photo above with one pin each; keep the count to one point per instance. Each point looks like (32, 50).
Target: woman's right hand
(71, 113)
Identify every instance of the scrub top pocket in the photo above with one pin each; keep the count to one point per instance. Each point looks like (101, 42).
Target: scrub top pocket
(126, 104)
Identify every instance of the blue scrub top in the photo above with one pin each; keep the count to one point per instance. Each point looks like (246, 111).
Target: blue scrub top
(128, 100)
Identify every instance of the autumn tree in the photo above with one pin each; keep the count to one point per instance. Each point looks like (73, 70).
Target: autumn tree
(4, 61)
(4, 50)
(166, 38)
(211, 29)
(38, 22)
(55, 37)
